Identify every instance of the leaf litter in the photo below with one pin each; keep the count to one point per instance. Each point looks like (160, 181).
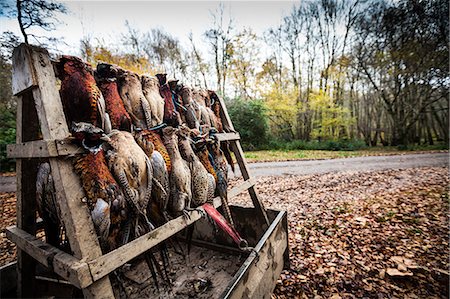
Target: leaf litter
(380, 234)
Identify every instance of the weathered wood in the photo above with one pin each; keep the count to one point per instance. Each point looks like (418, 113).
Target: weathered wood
(241, 187)
(69, 192)
(227, 136)
(62, 263)
(239, 154)
(26, 172)
(107, 263)
(24, 76)
(8, 279)
(44, 149)
(258, 275)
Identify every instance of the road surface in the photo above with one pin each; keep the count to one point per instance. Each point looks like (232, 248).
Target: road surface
(371, 163)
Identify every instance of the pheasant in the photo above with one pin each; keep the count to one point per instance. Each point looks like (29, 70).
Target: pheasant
(120, 119)
(158, 145)
(200, 176)
(171, 115)
(81, 98)
(46, 204)
(133, 170)
(150, 88)
(104, 196)
(192, 112)
(221, 169)
(130, 90)
(225, 146)
(160, 187)
(180, 176)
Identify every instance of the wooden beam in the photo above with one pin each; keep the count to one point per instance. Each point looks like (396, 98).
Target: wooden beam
(26, 171)
(69, 192)
(44, 149)
(239, 154)
(24, 76)
(107, 263)
(257, 203)
(62, 263)
(227, 136)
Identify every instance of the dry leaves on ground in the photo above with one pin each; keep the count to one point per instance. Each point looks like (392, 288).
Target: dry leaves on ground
(7, 218)
(352, 235)
(377, 234)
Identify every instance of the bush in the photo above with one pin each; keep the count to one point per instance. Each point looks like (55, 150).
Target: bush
(330, 145)
(7, 136)
(250, 120)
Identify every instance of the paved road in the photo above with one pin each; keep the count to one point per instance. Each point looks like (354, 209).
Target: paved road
(8, 184)
(348, 164)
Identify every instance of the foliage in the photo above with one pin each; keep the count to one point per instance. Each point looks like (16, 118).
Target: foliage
(34, 13)
(7, 136)
(330, 145)
(132, 62)
(249, 119)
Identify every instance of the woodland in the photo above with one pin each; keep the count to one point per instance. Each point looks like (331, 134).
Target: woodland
(335, 74)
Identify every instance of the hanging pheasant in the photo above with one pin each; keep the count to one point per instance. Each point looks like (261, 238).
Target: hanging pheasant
(81, 98)
(104, 196)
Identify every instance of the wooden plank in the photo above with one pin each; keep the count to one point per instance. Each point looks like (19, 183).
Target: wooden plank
(62, 263)
(26, 172)
(227, 136)
(39, 250)
(239, 154)
(69, 192)
(107, 263)
(44, 149)
(258, 275)
(8, 281)
(242, 187)
(24, 77)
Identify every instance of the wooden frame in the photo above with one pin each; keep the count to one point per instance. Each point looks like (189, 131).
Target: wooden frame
(39, 108)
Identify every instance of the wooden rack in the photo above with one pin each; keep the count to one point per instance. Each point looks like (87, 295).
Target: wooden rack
(42, 133)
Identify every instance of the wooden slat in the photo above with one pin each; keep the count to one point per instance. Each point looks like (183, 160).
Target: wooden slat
(228, 136)
(24, 76)
(107, 263)
(60, 262)
(26, 171)
(257, 277)
(239, 154)
(43, 149)
(75, 215)
(242, 187)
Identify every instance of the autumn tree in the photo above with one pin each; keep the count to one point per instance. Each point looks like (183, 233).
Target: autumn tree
(403, 53)
(220, 39)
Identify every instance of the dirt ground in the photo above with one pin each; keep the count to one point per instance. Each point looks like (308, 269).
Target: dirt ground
(379, 234)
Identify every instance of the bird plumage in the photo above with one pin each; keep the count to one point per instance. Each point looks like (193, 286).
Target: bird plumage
(180, 176)
(150, 88)
(130, 90)
(81, 98)
(120, 119)
(46, 205)
(199, 182)
(105, 198)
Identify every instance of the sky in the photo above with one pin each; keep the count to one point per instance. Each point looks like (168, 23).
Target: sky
(105, 20)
